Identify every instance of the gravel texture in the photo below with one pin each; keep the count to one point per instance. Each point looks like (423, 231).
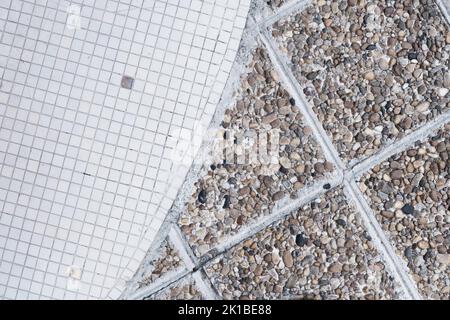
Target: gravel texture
(231, 196)
(372, 70)
(275, 4)
(410, 196)
(166, 260)
(183, 289)
(320, 252)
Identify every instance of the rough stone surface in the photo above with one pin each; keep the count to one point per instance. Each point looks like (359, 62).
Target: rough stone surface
(237, 194)
(183, 289)
(309, 255)
(372, 70)
(165, 261)
(410, 196)
(275, 4)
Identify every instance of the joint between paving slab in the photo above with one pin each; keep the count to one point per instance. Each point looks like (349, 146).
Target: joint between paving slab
(306, 195)
(393, 262)
(287, 78)
(159, 285)
(382, 244)
(204, 285)
(345, 176)
(401, 145)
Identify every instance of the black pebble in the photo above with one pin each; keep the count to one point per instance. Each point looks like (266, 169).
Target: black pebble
(412, 55)
(408, 209)
(409, 253)
(202, 196)
(326, 186)
(300, 240)
(371, 47)
(283, 170)
(341, 222)
(226, 204)
(213, 167)
(292, 101)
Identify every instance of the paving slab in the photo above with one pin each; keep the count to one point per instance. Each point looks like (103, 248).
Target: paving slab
(230, 196)
(409, 194)
(322, 251)
(372, 71)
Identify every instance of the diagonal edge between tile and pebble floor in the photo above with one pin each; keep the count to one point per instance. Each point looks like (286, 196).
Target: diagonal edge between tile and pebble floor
(420, 133)
(179, 174)
(192, 175)
(105, 284)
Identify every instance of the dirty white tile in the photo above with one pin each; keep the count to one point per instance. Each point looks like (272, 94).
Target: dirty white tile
(84, 163)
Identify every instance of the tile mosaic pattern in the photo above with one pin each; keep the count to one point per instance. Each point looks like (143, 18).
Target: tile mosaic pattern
(84, 160)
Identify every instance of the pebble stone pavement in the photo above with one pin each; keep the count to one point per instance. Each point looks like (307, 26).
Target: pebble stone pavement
(358, 206)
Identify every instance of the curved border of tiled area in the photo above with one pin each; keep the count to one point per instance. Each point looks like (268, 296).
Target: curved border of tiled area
(209, 109)
(228, 19)
(405, 284)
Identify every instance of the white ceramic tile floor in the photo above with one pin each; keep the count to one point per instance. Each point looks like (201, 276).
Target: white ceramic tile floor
(86, 176)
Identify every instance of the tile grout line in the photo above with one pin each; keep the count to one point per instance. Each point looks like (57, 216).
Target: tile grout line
(310, 118)
(392, 261)
(307, 195)
(191, 261)
(345, 176)
(419, 134)
(165, 282)
(195, 171)
(444, 7)
(384, 247)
